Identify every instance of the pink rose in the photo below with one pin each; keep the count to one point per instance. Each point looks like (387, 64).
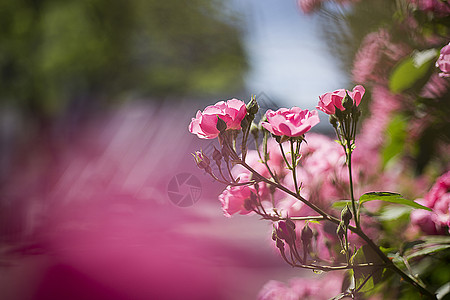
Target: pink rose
(438, 199)
(233, 198)
(328, 102)
(443, 61)
(204, 125)
(290, 122)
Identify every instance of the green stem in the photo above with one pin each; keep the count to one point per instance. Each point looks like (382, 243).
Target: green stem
(349, 164)
(284, 157)
(294, 165)
(357, 230)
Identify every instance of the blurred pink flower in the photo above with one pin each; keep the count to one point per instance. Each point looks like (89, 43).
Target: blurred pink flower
(233, 198)
(376, 55)
(443, 61)
(328, 102)
(317, 288)
(436, 86)
(204, 125)
(292, 122)
(437, 7)
(372, 134)
(438, 199)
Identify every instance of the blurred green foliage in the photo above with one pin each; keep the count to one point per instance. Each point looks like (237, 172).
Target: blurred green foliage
(411, 75)
(55, 52)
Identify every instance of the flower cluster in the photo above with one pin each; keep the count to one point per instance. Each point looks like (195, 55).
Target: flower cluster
(251, 175)
(294, 179)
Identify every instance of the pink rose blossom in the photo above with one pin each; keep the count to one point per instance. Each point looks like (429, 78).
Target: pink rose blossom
(204, 125)
(328, 102)
(443, 61)
(233, 198)
(438, 199)
(292, 122)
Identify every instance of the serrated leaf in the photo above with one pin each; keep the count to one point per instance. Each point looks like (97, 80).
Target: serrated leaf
(428, 250)
(390, 197)
(410, 70)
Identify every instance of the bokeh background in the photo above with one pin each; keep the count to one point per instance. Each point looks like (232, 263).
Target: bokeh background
(95, 100)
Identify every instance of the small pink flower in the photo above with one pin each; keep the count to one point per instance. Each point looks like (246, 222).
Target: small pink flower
(233, 198)
(292, 122)
(232, 112)
(443, 61)
(328, 102)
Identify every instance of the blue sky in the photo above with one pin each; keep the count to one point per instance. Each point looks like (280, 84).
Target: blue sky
(289, 60)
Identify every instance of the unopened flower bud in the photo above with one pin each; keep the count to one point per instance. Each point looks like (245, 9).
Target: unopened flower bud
(339, 114)
(340, 231)
(221, 125)
(347, 103)
(248, 205)
(217, 156)
(346, 215)
(252, 106)
(356, 112)
(286, 231)
(333, 121)
(307, 234)
(280, 245)
(201, 159)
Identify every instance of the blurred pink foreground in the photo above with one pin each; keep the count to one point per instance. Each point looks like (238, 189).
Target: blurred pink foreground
(96, 221)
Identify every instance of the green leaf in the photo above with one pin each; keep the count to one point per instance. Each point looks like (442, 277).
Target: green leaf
(428, 250)
(395, 137)
(437, 239)
(411, 69)
(366, 278)
(341, 203)
(390, 197)
(392, 213)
